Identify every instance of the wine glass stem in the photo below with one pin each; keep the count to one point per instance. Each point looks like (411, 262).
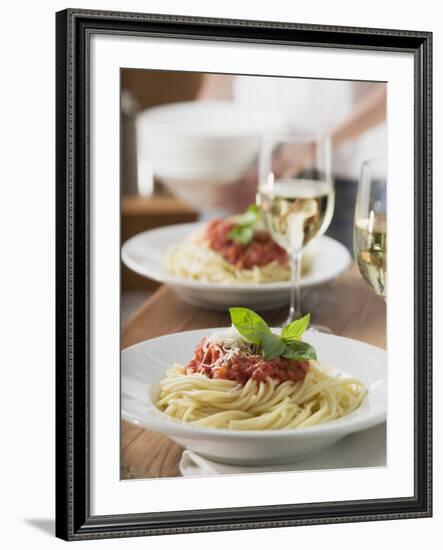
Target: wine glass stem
(295, 301)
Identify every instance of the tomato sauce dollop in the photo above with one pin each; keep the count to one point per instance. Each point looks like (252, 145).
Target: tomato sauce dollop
(261, 251)
(240, 368)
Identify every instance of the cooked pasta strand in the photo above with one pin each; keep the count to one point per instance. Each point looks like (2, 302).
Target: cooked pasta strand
(194, 259)
(267, 405)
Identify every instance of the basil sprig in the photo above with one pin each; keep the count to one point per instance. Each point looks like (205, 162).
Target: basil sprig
(243, 231)
(288, 344)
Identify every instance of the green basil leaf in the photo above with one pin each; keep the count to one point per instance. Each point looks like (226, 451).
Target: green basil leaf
(294, 330)
(254, 208)
(251, 215)
(271, 346)
(250, 325)
(243, 231)
(299, 351)
(243, 235)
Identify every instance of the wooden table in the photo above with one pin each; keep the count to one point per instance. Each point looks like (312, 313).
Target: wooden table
(346, 305)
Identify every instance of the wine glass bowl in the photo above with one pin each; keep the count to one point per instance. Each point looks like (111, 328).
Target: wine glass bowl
(296, 195)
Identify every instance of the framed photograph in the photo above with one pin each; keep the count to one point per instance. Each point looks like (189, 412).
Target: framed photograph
(238, 346)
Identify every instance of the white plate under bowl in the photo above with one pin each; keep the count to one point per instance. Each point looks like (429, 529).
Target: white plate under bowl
(145, 364)
(144, 253)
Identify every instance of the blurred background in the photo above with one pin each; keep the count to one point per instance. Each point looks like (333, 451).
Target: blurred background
(190, 142)
(146, 203)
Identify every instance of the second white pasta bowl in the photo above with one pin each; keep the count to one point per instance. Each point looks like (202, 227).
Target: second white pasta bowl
(145, 254)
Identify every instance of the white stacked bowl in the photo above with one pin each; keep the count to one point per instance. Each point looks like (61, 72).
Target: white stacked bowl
(195, 146)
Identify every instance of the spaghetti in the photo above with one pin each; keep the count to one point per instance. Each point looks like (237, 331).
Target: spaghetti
(229, 385)
(196, 259)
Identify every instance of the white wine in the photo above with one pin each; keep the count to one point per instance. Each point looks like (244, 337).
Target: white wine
(370, 250)
(297, 210)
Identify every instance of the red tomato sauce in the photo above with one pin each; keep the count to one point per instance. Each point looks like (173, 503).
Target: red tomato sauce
(208, 360)
(261, 251)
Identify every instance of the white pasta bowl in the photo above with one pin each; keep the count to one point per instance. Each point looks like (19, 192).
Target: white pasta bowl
(145, 364)
(145, 253)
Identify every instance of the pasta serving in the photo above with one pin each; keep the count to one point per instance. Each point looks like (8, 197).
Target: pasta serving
(230, 384)
(227, 252)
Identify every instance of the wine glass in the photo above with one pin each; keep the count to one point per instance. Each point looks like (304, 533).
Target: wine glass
(370, 225)
(296, 195)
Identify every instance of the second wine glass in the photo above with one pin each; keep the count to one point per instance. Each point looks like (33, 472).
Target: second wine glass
(370, 240)
(296, 195)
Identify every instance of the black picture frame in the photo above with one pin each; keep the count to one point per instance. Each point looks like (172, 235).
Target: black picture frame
(74, 28)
